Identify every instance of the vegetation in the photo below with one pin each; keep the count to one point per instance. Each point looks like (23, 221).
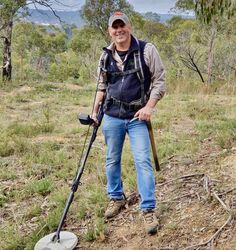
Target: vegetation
(53, 79)
(186, 46)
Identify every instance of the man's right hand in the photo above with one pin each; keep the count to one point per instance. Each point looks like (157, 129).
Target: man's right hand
(94, 117)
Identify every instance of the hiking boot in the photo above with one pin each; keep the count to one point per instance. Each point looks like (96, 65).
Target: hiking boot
(114, 208)
(150, 221)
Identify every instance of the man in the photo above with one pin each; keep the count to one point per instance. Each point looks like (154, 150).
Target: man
(132, 82)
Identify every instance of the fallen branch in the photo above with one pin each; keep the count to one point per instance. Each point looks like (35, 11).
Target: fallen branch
(179, 178)
(230, 218)
(207, 187)
(177, 198)
(211, 240)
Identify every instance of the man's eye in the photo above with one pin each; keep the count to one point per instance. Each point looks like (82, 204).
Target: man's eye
(118, 26)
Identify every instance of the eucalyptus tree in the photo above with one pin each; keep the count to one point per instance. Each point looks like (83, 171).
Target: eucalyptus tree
(9, 9)
(210, 14)
(206, 10)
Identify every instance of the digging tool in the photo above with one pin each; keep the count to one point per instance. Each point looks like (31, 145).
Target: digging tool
(153, 145)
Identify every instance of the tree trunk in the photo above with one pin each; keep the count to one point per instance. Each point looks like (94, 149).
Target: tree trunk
(211, 54)
(7, 66)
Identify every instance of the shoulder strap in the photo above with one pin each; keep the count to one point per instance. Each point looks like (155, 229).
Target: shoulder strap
(103, 62)
(140, 74)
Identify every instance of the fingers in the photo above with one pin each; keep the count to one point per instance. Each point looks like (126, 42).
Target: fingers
(144, 114)
(136, 114)
(95, 119)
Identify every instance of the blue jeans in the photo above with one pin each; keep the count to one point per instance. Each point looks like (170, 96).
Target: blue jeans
(114, 130)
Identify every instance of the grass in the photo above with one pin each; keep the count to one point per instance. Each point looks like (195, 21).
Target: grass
(7, 175)
(3, 200)
(42, 187)
(33, 211)
(40, 131)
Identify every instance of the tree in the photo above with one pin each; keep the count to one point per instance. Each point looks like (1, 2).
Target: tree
(152, 16)
(185, 5)
(153, 29)
(97, 12)
(209, 13)
(206, 10)
(81, 38)
(8, 11)
(191, 62)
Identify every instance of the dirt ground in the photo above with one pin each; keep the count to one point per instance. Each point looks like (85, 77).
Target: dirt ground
(196, 206)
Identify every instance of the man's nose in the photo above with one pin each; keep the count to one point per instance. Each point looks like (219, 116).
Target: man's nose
(119, 28)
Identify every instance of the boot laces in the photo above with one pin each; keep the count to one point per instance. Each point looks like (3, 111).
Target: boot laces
(149, 217)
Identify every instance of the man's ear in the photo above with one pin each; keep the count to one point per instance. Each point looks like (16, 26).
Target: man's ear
(109, 31)
(130, 27)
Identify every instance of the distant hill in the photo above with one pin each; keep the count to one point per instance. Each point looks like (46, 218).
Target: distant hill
(46, 17)
(166, 17)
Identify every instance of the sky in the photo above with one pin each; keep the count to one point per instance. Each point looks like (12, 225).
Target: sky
(158, 6)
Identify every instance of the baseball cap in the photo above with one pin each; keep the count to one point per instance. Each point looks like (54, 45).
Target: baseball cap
(118, 15)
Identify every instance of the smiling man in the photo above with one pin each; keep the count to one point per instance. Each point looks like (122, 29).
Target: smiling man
(132, 82)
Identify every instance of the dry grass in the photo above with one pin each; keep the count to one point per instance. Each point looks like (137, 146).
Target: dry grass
(40, 143)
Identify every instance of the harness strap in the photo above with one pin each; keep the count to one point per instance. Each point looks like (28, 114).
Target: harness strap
(125, 104)
(137, 64)
(123, 73)
(137, 69)
(103, 62)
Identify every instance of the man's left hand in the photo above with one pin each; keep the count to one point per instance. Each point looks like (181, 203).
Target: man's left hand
(144, 113)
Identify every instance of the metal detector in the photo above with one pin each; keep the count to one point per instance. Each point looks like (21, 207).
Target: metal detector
(63, 240)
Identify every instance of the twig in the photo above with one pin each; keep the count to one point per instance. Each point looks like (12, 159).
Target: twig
(231, 217)
(164, 248)
(222, 203)
(206, 184)
(125, 239)
(177, 198)
(15, 218)
(228, 191)
(41, 229)
(179, 178)
(213, 236)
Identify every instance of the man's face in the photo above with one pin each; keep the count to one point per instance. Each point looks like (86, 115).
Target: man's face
(120, 32)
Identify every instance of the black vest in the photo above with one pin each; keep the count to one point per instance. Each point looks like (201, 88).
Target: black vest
(124, 88)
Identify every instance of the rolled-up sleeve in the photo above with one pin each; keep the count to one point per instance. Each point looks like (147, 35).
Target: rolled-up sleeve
(153, 61)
